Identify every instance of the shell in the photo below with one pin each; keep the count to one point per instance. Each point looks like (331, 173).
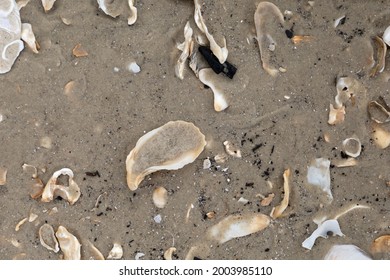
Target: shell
(132, 18)
(386, 36)
(344, 162)
(347, 89)
(47, 238)
(322, 231)
(69, 244)
(3, 176)
(48, 5)
(79, 51)
(318, 174)
(379, 111)
(10, 34)
(208, 77)
(266, 15)
(70, 193)
(278, 210)
(28, 37)
(336, 116)
(346, 252)
(94, 252)
(381, 245)
(110, 7)
(169, 147)
(169, 252)
(237, 226)
(232, 150)
(381, 137)
(352, 146)
(160, 197)
(381, 49)
(116, 252)
(133, 67)
(186, 49)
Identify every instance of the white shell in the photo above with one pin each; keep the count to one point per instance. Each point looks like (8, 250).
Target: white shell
(386, 36)
(336, 115)
(322, 231)
(116, 252)
(28, 37)
(132, 18)
(169, 252)
(318, 174)
(237, 226)
(134, 68)
(352, 146)
(10, 33)
(208, 77)
(381, 137)
(47, 238)
(110, 7)
(186, 48)
(160, 197)
(48, 4)
(169, 147)
(346, 252)
(232, 150)
(69, 244)
(347, 88)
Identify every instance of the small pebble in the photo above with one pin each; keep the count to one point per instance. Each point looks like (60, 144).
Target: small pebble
(157, 219)
(134, 68)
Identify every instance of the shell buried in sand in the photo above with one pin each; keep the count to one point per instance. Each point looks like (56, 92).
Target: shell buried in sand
(169, 147)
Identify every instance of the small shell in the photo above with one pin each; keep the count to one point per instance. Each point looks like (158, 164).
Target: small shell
(28, 36)
(133, 13)
(336, 116)
(47, 238)
(168, 253)
(352, 146)
(30, 169)
(345, 162)
(338, 21)
(381, 137)
(32, 217)
(278, 210)
(70, 193)
(379, 111)
(386, 36)
(346, 252)
(347, 89)
(36, 188)
(221, 158)
(206, 163)
(133, 67)
(322, 231)
(186, 49)
(232, 150)
(208, 77)
(116, 252)
(380, 56)
(48, 5)
(318, 174)
(237, 226)
(160, 197)
(79, 51)
(110, 7)
(139, 255)
(267, 200)
(17, 228)
(169, 147)
(95, 253)
(69, 244)
(381, 245)
(3, 176)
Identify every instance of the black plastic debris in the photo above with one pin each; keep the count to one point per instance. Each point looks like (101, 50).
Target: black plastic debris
(226, 68)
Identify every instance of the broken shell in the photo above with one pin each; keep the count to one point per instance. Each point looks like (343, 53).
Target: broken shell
(186, 49)
(322, 231)
(381, 137)
(379, 111)
(139, 255)
(206, 163)
(336, 116)
(210, 215)
(28, 37)
(10, 33)
(169, 147)
(231, 149)
(160, 197)
(17, 228)
(381, 245)
(69, 244)
(32, 217)
(338, 21)
(237, 226)
(267, 200)
(386, 36)
(96, 254)
(71, 193)
(3, 176)
(346, 252)
(47, 238)
(266, 15)
(22, 3)
(301, 38)
(133, 13)
(36, 189)
(318, 174)
(110, 7)
(347, 89)
(45, 142)
(48, 4)
(352, 146)
(116, 252)
(221, 158)
(345, 162)
(79, 51)
(30, 169)
(168, 253)
(278, 210)
(380, 56)
(207, 76)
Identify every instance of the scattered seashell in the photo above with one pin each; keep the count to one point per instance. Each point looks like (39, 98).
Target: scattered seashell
(381, 245)
(328, 226)
(157, 219)
(278, 210)
(297, 39)
(71, 193)
(96, 254)
(10, 35)
(169, 147)
(168, 253)
(45, 142)
(132, 18)
(379, 111)
(243, 200)
(381, 137)
(206, 163)
(47, 238)
(210, 215)
(36, 189)
(339, 20)
(69, 244)
(207, 76)
(237, 226)
(110, 7)
(48, 5)
(220, 52)
(79, 51)
(380, 56)
(327, 214)
(221, 158)
(344, 162)
(231, 149)
(346, 252)
(386, 36)
(17, 228)
(318, 174)
(133, 67)
(116, 252)
(30, 169)
(32, 217)
(22, 3)
(28, 37)
(189, 212)
(336, 116)
(266, 15)
(267, 200)
(347, 89)
(3, 176)
(66, 21)
(352, 146)
(139, 255)
(186, 48)
(160, 197)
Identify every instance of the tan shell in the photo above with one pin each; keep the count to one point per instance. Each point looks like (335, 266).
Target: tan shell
(160, 197)
(47, 238)
(169, 252)
(237, 226)
(48, 5)
(381, 245)
(3, 176)
(186, 49)
(381, 137)
(169, 147)
(381, 49)
(116, 252)
(278, 210)
(79, 51)
(69, 244)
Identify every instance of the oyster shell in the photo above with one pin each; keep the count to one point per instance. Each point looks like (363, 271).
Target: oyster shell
(169, 147)
(48, 238)
(69, 244)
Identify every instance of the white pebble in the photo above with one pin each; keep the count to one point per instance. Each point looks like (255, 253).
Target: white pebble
(157, 219)
(133, 68)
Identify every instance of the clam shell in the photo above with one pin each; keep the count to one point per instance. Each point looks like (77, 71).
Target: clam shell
(322, 231)
(69, 244)
(237, 226)
(352, 146)
(47, 238)
(381, 137)
(346, 252)
(169, 147)
(160, 197)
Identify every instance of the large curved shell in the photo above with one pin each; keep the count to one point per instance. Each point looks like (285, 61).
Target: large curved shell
(346, 252)
(69, 244)
(168, 147)
(48, 238)
(10, 33)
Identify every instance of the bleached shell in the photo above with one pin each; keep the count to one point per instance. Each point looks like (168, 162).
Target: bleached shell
(28, 37)
(322, 231)
(160, 197)
(186, 48)
(381, 137)
(169, 147)
(347, 88)
(352, 146)
(116, 252)
(133, 13)
(336, 115)
(47, 238)
(386, 36)
(346, 252)
(208, 77)
(318, 174)
(48, 4)
(381, 245)
(237, 226)
(110, 7)
(10, 33)
(69, 244)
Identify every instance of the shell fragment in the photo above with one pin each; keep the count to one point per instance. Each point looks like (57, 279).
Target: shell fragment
(48, 5)
(69, 244)
(186, 49)
(160, 197)
(208, 77)
(116, 252)
(318, 174)
(322, 231)
(381, 245)
(346, 252)
(48, 238)
(3, 176)
(278, 210)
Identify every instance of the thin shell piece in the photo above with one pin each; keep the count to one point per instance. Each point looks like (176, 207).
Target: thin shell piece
(70, 193)
(237, 226)
(347, 89)
(186, 49)
(381, 137)
(278, 210)
(48, 238)
(267, 15)
(386, 36)
(380, 56)
(160, 197)
(379, 111)
(28, 37)
(352, 146)
(79, 51)
(208, 77)
(132, 18)
(69, 244)
(3, 176)
(231, 149)
(17, 228)
(36, 188)
(168, 253)
(116, 252)
(110, 7)
(48, 5)
(336, 115)
(10, 34)
(329, 226)
(346, 252)
(169, 147)
(381, 245)
(345, 162)
(318, 174)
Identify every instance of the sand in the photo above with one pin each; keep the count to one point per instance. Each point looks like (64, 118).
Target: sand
(276, 122)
